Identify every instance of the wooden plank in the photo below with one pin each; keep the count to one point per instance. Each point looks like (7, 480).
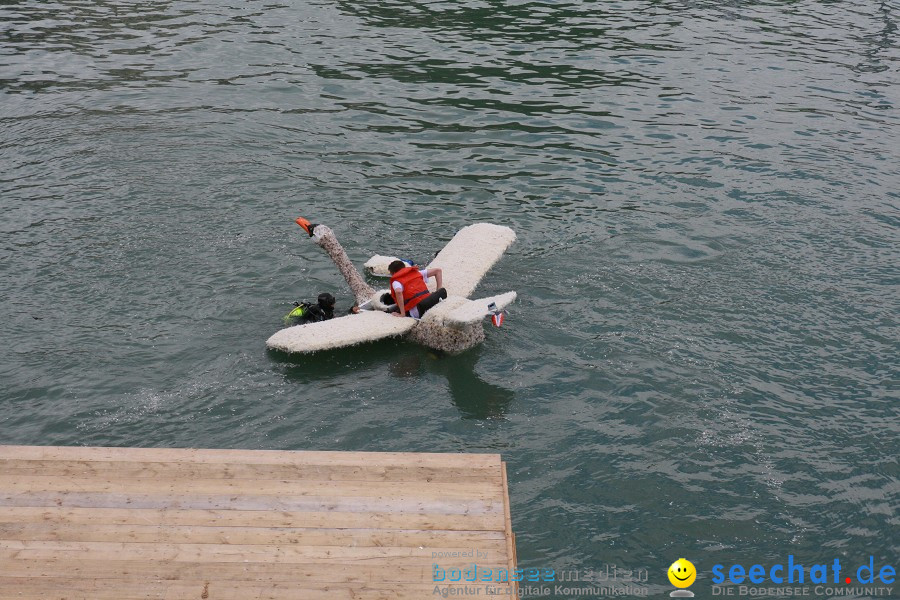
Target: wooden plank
(239, 471)
(317, 572)
(234, 518)
(112, 484)
(117, 589)
(510, 540)
(194, 455)
(253, 503)
(226, 553)
(489, 541)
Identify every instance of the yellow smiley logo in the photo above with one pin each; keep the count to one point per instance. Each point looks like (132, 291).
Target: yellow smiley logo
(682, 573)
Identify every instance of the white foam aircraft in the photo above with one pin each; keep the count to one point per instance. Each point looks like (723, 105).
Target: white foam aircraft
(453, 325)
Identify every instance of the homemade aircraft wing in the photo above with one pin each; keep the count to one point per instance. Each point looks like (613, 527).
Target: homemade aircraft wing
(470, 254)
(459, 312)
(473, 311)
(378, 265)
(365, 326)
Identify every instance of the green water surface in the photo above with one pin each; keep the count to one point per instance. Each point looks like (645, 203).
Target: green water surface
(703, 360)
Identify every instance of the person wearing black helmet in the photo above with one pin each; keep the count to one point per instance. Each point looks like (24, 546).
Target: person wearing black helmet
(322, 310)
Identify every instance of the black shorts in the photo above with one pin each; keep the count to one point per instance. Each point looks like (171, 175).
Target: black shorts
(431, 300)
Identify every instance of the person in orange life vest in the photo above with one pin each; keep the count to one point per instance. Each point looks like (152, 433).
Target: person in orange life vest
(409, 289)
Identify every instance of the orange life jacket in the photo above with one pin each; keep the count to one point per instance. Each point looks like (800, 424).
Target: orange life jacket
(414, 288)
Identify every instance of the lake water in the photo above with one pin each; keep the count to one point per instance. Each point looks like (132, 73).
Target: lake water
(703, 360)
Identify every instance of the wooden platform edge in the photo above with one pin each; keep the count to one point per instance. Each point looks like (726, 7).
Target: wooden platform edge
(36, 505)
(193, 455)
(510, 536)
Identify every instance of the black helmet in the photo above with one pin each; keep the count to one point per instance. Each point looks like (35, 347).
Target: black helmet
(326, 300)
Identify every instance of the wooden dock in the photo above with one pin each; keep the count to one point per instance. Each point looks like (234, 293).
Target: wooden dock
(125, 523)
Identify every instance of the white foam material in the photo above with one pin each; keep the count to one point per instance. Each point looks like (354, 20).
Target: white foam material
(324, 237)
(366, 326)
(472, 311)
(378, 265)
(470, 254)
(438, 313)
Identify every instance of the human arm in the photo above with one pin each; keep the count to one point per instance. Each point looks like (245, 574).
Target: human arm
(436, 273)
(400, 304)
(398, 294)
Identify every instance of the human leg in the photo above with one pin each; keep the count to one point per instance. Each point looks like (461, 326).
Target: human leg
(431, 300)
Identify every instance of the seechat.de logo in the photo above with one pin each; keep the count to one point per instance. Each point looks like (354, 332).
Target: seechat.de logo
(682, 574)
(794, 572)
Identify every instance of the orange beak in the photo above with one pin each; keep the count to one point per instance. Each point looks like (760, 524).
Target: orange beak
(306, 225)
